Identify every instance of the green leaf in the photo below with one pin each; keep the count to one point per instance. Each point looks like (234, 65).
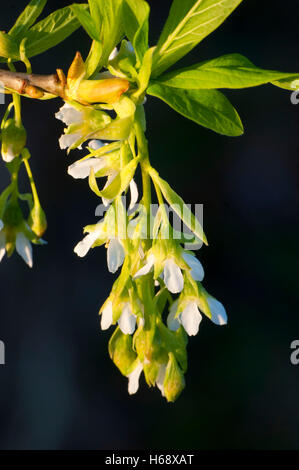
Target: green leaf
(178, 206)
(8, 47)
(228, 71)
(209, 108)
(288, 83)
(119, 183)
(86, 20)
(27, 18)
(108, 18)
(93, 59)
(51, 31)
(136, 14)
(189, 22)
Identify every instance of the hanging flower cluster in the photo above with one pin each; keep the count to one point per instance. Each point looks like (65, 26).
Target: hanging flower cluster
(158, 299)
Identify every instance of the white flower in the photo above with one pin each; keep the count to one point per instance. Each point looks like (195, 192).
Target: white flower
(23, 245)
(219, 316)
(190, 318)
(67, 140)
(133, 377)
(81, 168)
(96, 144)
(172, 273)
(107, 316)
(160, 378)
(69, 115)
(127, 320)
(173, 276)
(134, 194)
(83, 247)
(197, 271)
(115, 255)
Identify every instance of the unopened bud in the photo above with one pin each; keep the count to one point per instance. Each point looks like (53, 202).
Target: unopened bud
(121, 351)
(13, 140)
(174, 381)
(101, 91)
(37, 220)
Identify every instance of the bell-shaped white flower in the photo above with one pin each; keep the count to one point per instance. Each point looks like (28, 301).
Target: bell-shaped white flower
(127, 320)
(69, 115)
(81, 169)
(83, 247)
(107, 316)
(115, 255)
(22, 244)
(191, 318)
(133, 377)
(173, 276)
(197, 271)
(219, 316)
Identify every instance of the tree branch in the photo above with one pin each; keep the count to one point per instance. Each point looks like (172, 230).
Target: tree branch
(32, 84)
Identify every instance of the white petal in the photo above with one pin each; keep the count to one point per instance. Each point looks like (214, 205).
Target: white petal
(218, 312)
(134, 379)
(197, 271)
(81, 169)
(107, 316)
(8, 156)
(2, 245)
(191, 319)
(115, 255)
(172, 322)
(24, 248)
(110, 178)
(67, 140)
(95, 144)
(127, 321)
(1, 224)
(173, 277)
(69, 115)
(82, 248)
(160, 378)
(134, 194)
(146, 268)
(113, 54)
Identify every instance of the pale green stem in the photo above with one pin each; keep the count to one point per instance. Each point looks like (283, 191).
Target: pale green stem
(32, 184)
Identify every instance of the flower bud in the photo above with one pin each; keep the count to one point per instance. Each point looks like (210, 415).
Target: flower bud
(121, 351)
(13, 140)
(174, 381)
(37, 220)
(101, 91)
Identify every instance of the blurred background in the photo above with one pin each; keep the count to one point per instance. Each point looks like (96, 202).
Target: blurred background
(59, 389)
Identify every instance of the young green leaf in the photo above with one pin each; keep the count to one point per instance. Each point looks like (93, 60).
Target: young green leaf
(93, 58)
(8, 47)
(27, 18)
(108, 18)
(136, 14)
(178, 206)
(209, 108)
(51, 31)
(86, 20)
(189, 22)
(227, 71)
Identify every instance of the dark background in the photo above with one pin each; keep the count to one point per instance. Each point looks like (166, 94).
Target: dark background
(59, 389)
